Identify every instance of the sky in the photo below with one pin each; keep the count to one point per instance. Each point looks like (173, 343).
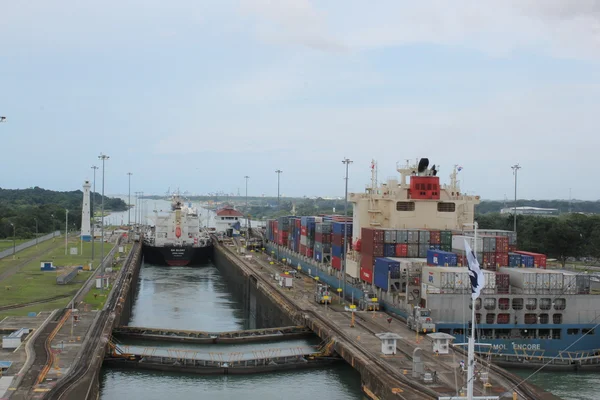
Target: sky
(196, 95)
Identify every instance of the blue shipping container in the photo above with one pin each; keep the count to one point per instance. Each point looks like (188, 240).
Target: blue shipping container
(318, 255)
(527, 261)
(442, 258)
(514, 260)
(337, 251)
(389, 250)
(338, 227)
(435, 246)
(381, 271)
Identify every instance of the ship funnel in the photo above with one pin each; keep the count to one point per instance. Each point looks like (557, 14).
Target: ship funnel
(423, 164)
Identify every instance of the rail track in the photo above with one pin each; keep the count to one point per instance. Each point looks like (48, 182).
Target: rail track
(80, 370)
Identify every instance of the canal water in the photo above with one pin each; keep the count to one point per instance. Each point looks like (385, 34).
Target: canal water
(198, 299)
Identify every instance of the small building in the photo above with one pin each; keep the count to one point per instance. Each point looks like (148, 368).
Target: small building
(14, 340)
(527, 210)
(228, 221)
(388, 342)
(285, 280)
(441, 342)
(47, 266)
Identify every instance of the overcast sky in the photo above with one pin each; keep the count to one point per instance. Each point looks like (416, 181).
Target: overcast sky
(196, 94)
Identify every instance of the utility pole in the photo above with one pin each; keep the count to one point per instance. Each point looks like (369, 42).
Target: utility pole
(278, 206)
(66, 230)
(129, 202)
(570, 205)
(346, 161)
(471, 343)
(93, 214)
(102, 157)
(246, 177)
(515, 169)
(142, 214)
(36, 231)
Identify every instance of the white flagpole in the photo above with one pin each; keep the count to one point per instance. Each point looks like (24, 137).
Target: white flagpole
(471, 359)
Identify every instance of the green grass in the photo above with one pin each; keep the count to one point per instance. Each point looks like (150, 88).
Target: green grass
(97, 297)
(31, 284)
(8, 262)
(18, 312)
(8, 243)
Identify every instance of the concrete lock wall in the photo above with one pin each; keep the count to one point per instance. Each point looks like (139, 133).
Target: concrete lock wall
(260, 310)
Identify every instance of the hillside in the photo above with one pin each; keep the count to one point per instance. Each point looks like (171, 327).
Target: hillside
(23, 206)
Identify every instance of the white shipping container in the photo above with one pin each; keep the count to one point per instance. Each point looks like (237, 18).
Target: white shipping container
(490, 280)
(570, 283)
(556, 280)
(410, 264)
(522, 278)
(542, 281)
(458, 243)
(352, 268)
(446, 277)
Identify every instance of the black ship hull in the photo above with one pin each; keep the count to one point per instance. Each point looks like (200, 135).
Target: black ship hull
(177, 256)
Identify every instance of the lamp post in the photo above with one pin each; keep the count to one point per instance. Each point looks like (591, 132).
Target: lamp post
(14, 240)
(515, 169)
(36, 231)
(278, 207)
(93, 214)
(129, 202)
(346, 161)
(471, 354)
(246, 177)
(102, 157)
(66, 229)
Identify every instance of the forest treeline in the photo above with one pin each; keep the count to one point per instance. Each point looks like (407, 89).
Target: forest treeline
(23, 206)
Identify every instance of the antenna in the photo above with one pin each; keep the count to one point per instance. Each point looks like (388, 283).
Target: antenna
(570, 205)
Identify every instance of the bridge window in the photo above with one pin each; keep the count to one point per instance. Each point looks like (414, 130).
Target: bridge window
(490, 318)
(530, 319)
(556, 333)
(560, 304)
(586, 331)
(446, 207)
(489, 304)
(545, 304)
(517, 304)
(477, 304)
(531, 304)
(544, 318)
(572, 331)
(503, 318)
(405, 206)
(503, 303)
(557, 319)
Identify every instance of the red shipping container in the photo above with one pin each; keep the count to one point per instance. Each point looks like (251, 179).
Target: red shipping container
(318, 237)
(336, 263)
(303, 249)
(512, 248)
(366, 275)
(402, 250)
(502, 259)
(309, 252)
(435, 237)
(372, 235)
(298, 223)
(367, 261)
(501, 244)
(489, 259)
(502, 281)
(460, 259)
(303, 231)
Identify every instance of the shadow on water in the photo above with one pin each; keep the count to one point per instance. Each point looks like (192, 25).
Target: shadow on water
(198, 298)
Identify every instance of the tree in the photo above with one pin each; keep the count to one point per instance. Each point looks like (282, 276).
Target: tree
(563, 240)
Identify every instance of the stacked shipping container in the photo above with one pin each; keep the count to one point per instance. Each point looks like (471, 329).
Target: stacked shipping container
(322, 240)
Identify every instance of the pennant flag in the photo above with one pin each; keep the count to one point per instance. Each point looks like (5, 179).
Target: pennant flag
(236, 226)
(475, 273)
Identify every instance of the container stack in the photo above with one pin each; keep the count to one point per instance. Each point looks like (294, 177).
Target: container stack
(458, 247)
(339, 241)
(489, 252)
(539, 260)
(307, 236)
(502, 283)
(454, 280)
(283, 226)
(372, 247)
(322, 240)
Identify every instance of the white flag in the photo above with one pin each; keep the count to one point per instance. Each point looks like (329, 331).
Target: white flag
(475, 273)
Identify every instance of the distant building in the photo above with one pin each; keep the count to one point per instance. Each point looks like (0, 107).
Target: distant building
(525, 210)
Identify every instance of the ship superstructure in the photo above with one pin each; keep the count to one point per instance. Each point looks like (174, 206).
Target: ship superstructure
(176, 237)
(407, 247)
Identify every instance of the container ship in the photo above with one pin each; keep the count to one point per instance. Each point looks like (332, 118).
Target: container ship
(405, 247)
(176, 239)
